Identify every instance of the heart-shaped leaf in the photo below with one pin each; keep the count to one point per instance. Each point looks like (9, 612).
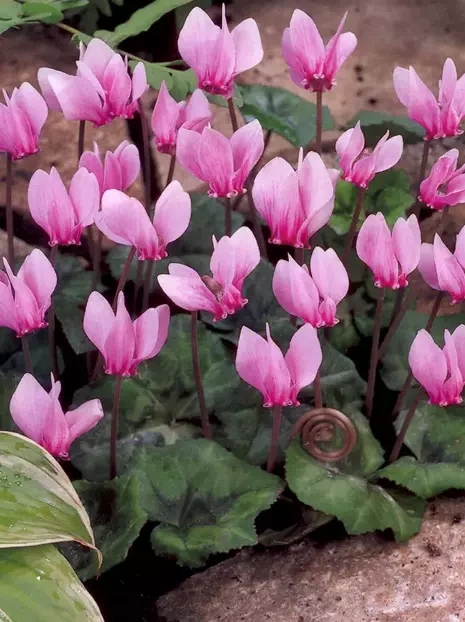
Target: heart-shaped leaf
(204, 497)
(376, 124)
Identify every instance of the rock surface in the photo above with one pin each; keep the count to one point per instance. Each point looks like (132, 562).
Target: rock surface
(360, 579)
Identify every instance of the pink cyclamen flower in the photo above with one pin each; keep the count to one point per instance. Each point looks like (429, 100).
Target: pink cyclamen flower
(119, 169)
(101, 90)
(216, 55)
(360, 167)
(169, 116)
(233, 259)
(40, 417)
(21, 119)
(223, 163)
(437, 370)
(441, 269)
(440, 117)
(313, 65)
(445, 184)
(260, 363)
(62, 213)
(313, 298)
(26, 297)
(391, 257)
(295, 204)
(125, 220)
(124, 344)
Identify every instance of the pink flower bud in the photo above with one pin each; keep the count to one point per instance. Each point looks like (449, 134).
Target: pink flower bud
(445, 184)
(118, 171)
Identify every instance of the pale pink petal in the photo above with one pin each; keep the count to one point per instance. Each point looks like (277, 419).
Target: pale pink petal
(268, 190)
(221, 59)
(90, 160)
(48, 93)
(329, 274)
(151, 332)
(315, 184)
(40, 277)
(84, 193)
(247, 148)
(96, 56)
(295, 291)
(216, 161)
(406, 240)
(307, 42)
(427, 266)
(451, 277)
(278, 378)
(428, 364)
(129, 162)
(460, 247)
(77, 99)
(246, 254)
(111, 173)
(83, 418)
(401, 79)
(55, 437)
(303, 359)
(253, 360)
(195, 40)
(117, 85)
(454, 384)
(339, 47)
(388, 154)
(93, 83)
(29, 406)
(33, 105)
(98, 320)
(247, 44)
(374, 247)
(459, 340)
(139, 82)
(423, 107)
(172, 213)
(222, 262)
(349, 146)
(40, 196)
(187, 290)
(165, 117)
(448, 82)
(197, 113)
(7, 304)
(297, 71)
(120, 342)
(187, 152)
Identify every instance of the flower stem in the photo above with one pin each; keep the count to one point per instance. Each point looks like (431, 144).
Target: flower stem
(408, 380)
(227, 216)
(124, 275)
(9, 210)
(138, 283)
(97, 260)
(145, 158)
(51, 323)
(421, 175)
(319, 121)
(206, 428)
(277, 418)
(374, 353)
(396, 320)
(256, 221)
(27, 354)
(232, 115)
(317, 390)
(114, 425)
(353, 225)
(403, 431)
(147, 284)
(81, 139)
(169, 179)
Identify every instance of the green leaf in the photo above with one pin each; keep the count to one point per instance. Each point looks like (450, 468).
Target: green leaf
(394, 203)
(44, 12)
(340, 381)
(39, 585)
(74, 286)
(178, 82)
(205, 499)
(117, 518)
(38, 504)
(395, 368)
(376, 124)
(140, 21)
(282, 112)
(360, 505)
(425, 479)
(10, 9)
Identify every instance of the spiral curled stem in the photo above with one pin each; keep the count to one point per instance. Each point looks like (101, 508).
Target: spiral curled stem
(319, 425)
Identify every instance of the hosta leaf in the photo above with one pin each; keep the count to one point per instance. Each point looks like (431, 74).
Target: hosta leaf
(283, 112)
(205, 499)
(38, 504)
(359, 504)
(38, 584)
(117, 517)
(376, 124)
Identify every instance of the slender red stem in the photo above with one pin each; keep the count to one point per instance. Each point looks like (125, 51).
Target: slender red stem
(124, 276)
(227, 217)
(51, 323)
(27, 354)
(232, 115)
(169, 179)
(403, 431)
(421, 175)
(353, 225)
(319, 121)
(114, 425)
(81, 139)
(374, 353)
(147, 284)
(396, 320)
(277, 419)
(206, 427)
(9, 210)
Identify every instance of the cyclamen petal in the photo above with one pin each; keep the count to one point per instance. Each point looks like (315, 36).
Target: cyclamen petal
(314, 66)
(119, 169)
(122, 343)
(445, 184)
(39, 416)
